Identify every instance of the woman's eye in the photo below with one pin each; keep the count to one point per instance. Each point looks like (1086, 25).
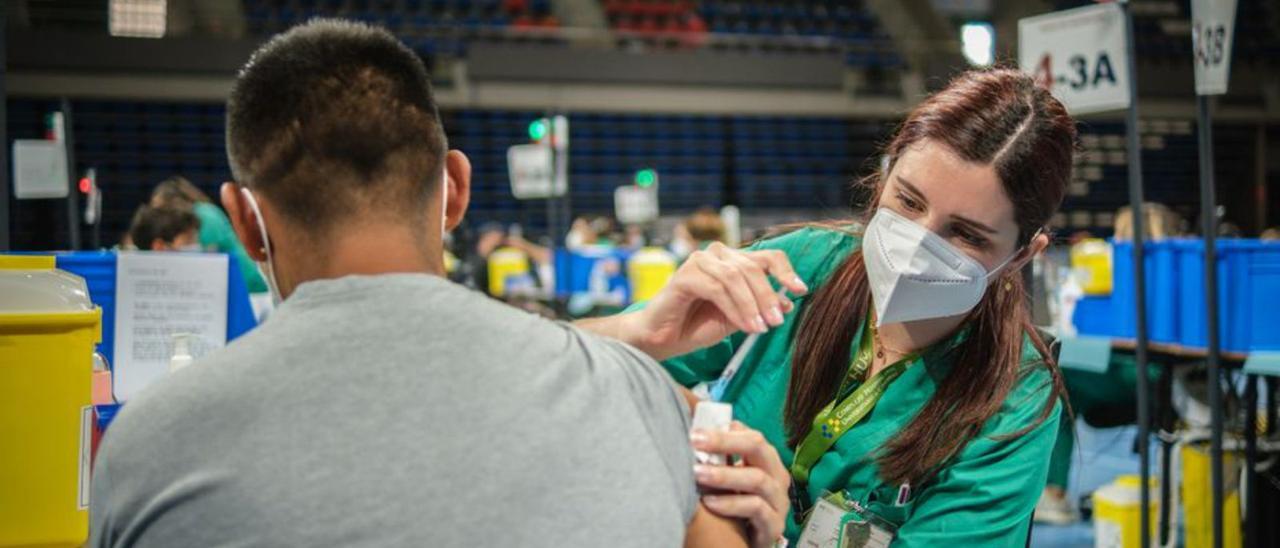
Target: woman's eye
(909, 203)
(971, 239)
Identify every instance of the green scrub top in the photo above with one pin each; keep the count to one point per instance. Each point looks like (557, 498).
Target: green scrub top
(982, 497)
(216, 234)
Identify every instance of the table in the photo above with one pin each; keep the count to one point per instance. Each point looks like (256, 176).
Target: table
(1094, 354)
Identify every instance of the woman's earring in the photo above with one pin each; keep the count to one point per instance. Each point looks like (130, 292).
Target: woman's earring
(1008, 285)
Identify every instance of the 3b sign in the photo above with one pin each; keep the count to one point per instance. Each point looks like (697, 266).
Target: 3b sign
(1212, 23)
(1079, 55)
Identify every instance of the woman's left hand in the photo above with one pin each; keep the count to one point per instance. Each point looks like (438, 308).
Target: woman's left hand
(756, 489)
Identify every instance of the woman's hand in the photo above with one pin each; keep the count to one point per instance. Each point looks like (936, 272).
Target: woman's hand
(754, 490)
(716, 292)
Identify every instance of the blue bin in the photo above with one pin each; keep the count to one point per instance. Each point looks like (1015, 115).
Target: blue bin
(1116, 316)
(98, 268)
(1095, 315)
(573, 269)
(1248, 290)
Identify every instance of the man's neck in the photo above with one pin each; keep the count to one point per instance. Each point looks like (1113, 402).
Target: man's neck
(366, 249)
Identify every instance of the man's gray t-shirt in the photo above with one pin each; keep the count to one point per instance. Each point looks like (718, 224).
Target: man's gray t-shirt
(401, 410)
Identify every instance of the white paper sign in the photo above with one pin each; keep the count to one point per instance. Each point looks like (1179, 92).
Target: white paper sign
(39, 169)
(1079, 55)
(1212, 29)
(531, 172)
(157, 295)
(635, 205)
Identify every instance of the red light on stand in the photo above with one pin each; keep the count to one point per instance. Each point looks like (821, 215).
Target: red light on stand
(85, 185)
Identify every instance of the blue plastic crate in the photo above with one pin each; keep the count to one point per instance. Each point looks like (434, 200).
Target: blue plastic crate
(1115, 315)
(1162, 290)
(1248, 290)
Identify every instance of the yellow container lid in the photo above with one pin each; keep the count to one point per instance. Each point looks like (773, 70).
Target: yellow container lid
(32, 291)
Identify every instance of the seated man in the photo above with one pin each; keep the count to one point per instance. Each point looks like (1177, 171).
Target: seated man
(164, 229)
(382, 405)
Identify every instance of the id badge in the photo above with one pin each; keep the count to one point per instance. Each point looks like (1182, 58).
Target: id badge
(866, 530)
(835, 522)
(822, 528)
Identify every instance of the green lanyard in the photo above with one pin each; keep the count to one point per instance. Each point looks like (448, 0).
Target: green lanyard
(847, 409)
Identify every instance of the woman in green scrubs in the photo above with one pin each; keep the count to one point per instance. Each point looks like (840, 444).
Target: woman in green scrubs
(899, 381)
(216, 233)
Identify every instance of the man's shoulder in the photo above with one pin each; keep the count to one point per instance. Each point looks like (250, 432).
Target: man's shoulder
(179, 399)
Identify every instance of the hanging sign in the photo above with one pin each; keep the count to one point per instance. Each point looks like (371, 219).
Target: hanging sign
(1079, 56)
(1212, 28)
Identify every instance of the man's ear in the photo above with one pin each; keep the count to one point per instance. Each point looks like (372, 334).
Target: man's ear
(243, 221)
(458, 168)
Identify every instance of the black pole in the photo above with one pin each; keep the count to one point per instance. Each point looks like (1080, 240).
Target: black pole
(552, 199)
(1209, 218)
(1165, 421)
(73, 190)
(1140, 281)
(1272, 385)
(1251, 498)
(4, 143)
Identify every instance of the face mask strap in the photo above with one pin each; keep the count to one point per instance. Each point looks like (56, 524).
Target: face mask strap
(1018, 251)
(444, 196)
(270, 273)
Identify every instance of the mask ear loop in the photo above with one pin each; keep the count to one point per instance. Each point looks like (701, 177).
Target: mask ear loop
(269, 272)
(1008, 285)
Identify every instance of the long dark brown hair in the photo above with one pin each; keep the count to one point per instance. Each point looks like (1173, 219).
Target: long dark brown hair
(995, 117)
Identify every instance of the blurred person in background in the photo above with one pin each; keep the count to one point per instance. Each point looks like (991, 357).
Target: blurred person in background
(164, 229)
(696, 232)
(634, 237)
(705, 227)
(580, 234)
(474, 272)
(216, 233)
(1161, 222)
(606, 231)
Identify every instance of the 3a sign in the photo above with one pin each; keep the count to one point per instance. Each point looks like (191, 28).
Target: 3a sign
(1079, 55)
(1212, 27)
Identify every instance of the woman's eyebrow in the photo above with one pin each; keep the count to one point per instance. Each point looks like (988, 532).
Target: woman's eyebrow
(974, 224)
(912, 190)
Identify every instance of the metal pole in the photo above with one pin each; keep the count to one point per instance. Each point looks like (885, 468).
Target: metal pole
(1209, 217)
(1165, 426)
(4, 143)
(1140, 281)
(73, 190)
(552, 199)
(1250, 487)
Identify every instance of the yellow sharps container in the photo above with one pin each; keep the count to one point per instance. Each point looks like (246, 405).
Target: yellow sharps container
(505, 262)
(1091, 262)
(1117, 513)
(1197, 496)
(648, 271)
(48, 328)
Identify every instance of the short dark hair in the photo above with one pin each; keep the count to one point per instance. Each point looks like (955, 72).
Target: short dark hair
(334, 116)
(163, 223)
